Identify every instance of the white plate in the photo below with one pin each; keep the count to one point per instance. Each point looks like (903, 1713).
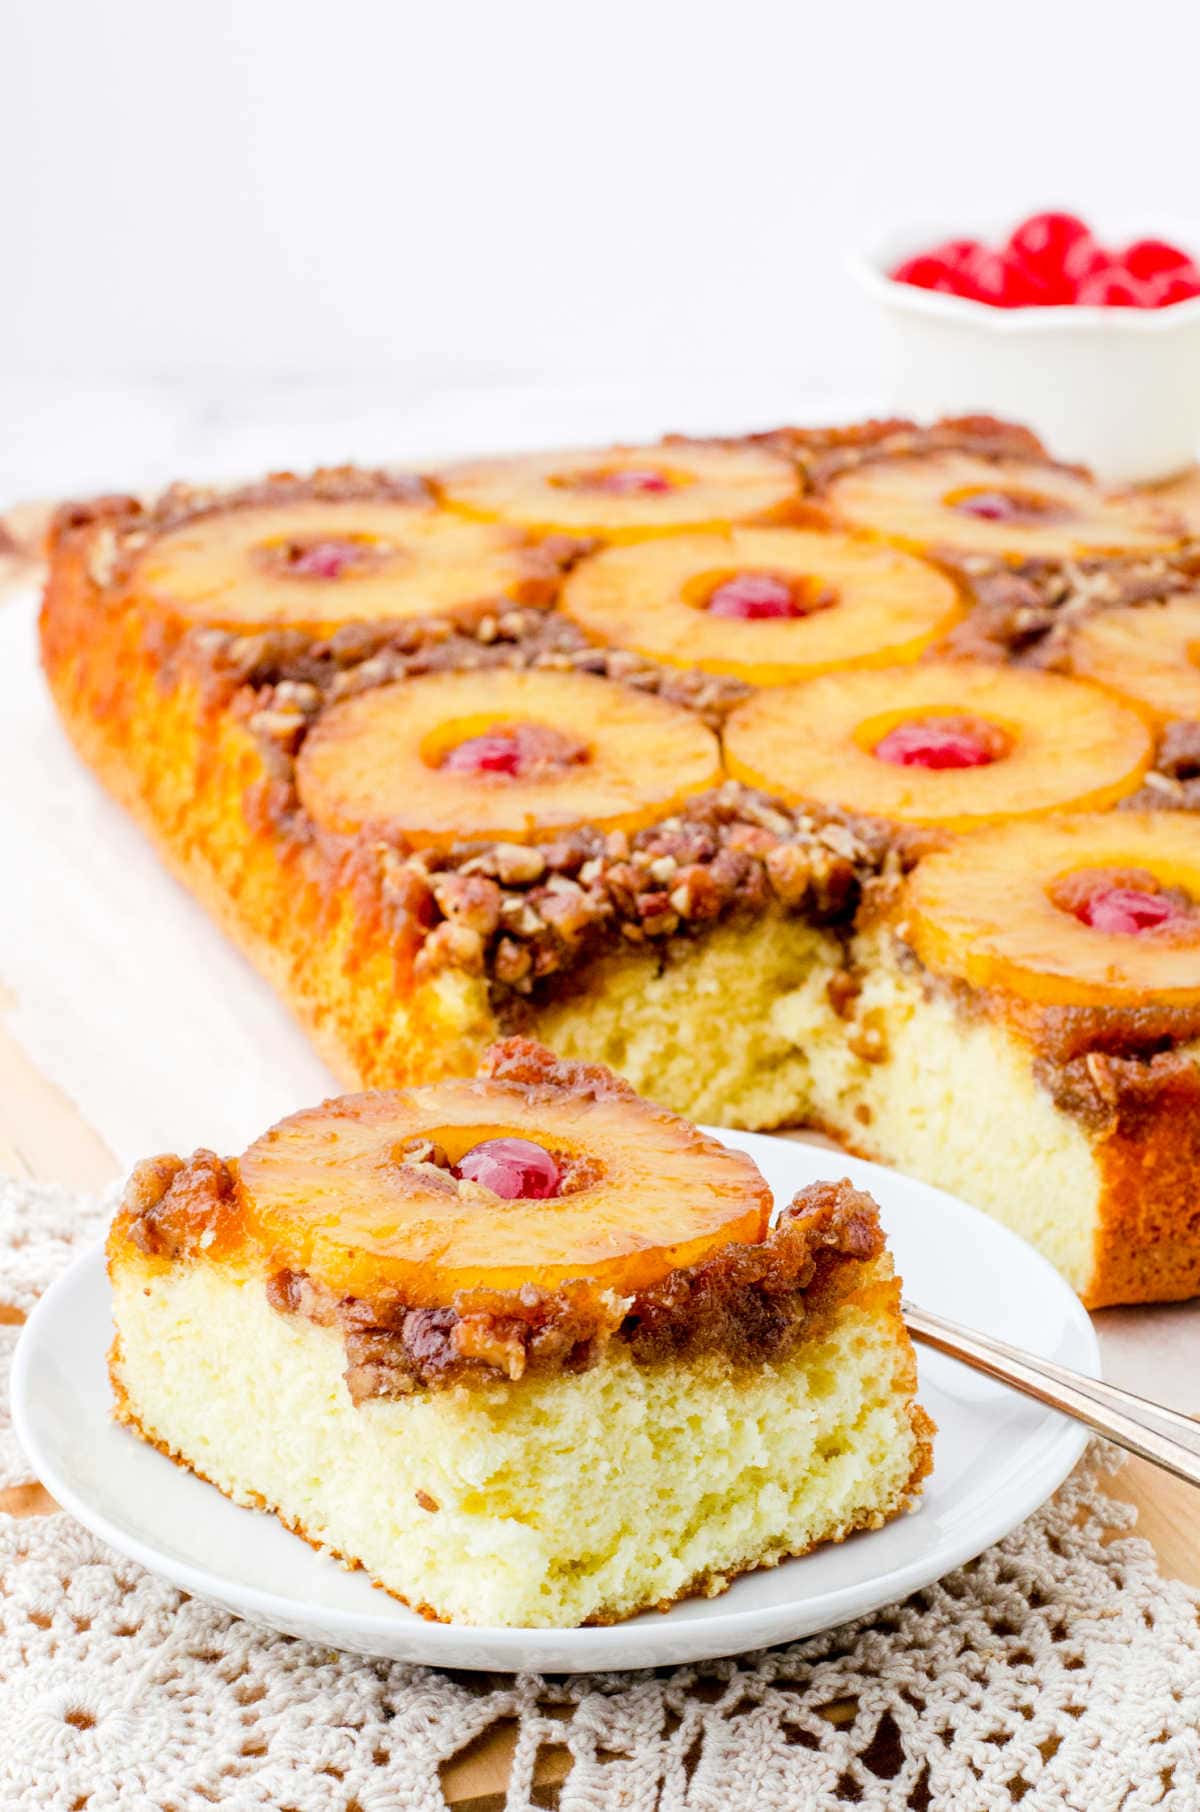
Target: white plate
(998, 1456)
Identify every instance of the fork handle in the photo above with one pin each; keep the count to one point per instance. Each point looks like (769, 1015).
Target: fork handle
(1164, 1436)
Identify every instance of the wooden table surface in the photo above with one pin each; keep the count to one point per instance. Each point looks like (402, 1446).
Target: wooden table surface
(43, 1136)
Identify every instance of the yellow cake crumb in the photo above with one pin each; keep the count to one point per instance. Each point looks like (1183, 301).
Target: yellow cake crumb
(557, 1501)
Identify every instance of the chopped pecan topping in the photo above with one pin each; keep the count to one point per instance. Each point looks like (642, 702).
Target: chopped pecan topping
(1027, 614)
(750, 1303)
(843, 989)
(1173, 783)
(525, 917)
(823, 453)
(1111, 1092)
(173, 1209)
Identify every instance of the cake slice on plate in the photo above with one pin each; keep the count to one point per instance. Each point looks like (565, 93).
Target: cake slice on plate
(525, 1347)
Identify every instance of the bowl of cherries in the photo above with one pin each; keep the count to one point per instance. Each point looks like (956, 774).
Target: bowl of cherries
(1093, 341)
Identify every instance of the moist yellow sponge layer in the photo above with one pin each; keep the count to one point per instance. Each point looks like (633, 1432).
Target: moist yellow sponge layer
(696, 1028)
(1011, 1151)
(555, 1501)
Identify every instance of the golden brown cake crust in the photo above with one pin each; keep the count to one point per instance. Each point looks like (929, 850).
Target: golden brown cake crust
(1130, 1077)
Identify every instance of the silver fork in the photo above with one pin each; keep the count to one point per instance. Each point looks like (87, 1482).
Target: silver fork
(1164, 1436)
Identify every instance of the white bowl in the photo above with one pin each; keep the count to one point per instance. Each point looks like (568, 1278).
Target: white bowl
(1117, 389)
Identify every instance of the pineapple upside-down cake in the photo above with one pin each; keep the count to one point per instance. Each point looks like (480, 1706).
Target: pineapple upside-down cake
(841, 777)
(476, 1336)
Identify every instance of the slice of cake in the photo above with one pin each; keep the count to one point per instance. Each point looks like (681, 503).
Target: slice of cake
(526, 1348)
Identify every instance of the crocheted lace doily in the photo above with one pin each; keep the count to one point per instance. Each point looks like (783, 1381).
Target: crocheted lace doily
(1059, 1670)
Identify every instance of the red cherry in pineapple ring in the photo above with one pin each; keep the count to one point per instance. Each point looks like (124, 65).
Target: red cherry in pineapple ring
(632, 483)
(1126, 909)
(517, 750)
(1000, 506)
(752, 597)
(938, 742)
(325, 559)
(495, 752)
(516, 1169)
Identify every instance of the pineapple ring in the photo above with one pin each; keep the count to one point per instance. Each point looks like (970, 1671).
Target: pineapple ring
(706, 487)
(1066, 744)
(325, 1193)
(913, 501)
(982, 910)
(1150, 653)
(377, 759)
(884, 605)
(229, 570)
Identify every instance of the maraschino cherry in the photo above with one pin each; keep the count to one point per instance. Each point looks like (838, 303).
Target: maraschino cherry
(993, 506)
(1125, 909)
(1053, 260)
(1114, 288)
(937, 742)
(325, 559)
(495, 752)
(518, 750)
(752, 597)
(515, 1169)
(1147, 259)
(632, 483)
(1039, 249)
(1176, 286)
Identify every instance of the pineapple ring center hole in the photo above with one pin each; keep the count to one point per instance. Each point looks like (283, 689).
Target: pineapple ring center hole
(504, 748)
(324, 556)
(935, 739)
(757, 594)
(1130, 902)
(1005, 505)
(651, 480)
(502, 1159)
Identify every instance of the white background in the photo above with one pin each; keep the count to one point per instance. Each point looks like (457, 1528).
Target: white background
(251, 230)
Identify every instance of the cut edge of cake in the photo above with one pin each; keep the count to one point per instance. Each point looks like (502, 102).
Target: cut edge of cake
(549, 1502)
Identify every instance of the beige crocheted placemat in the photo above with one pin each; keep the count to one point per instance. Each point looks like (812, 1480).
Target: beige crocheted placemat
(1059, 1670)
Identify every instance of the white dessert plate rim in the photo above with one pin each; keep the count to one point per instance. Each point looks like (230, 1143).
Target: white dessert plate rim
(998, 1457)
